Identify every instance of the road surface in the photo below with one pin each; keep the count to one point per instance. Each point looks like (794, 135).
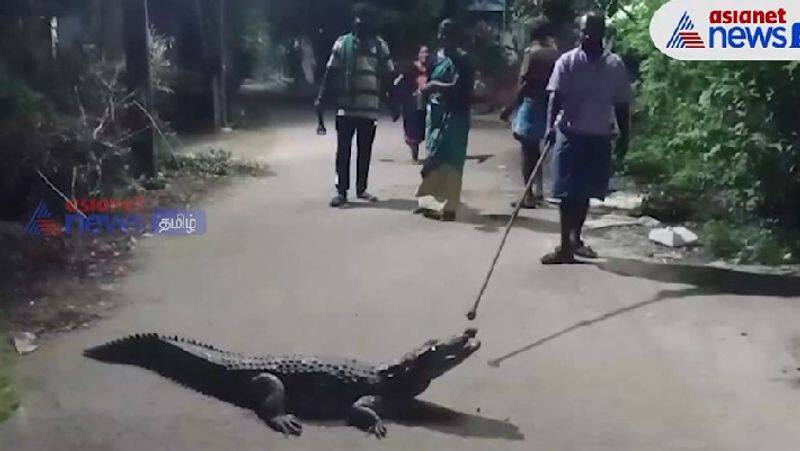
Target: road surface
(623, 356)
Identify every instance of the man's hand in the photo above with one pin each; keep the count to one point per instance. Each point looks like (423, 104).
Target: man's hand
(623, 142)
(506, 114)
(427, 90)
(321, 130)
(623, 113)
(550, 136)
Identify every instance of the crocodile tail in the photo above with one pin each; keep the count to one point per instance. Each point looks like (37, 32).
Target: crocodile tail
(167, 356)
(154, 352)
(139, 350)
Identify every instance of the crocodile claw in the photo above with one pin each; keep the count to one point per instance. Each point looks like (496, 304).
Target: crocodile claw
(378, 429)
(287, 424)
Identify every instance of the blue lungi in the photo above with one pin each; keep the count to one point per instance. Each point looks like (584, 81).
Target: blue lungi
(531, 120)
(580, 167)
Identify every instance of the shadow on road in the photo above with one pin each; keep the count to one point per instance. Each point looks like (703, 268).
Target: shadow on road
(441, 419)
(489, 223)
(705, 280)
(428, 415)
(483, 158)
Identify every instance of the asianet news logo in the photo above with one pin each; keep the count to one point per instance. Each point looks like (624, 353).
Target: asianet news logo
(127, 216)
(728, 30)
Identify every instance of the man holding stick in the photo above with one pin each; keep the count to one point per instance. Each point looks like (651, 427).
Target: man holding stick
(589, 88)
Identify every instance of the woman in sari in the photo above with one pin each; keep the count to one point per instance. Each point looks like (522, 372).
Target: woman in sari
(408, 86)
(449, 92)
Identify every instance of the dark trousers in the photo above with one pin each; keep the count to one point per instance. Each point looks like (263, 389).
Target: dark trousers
(364, 129)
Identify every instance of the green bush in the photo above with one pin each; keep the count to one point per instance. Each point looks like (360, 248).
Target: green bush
(722, 127)
(18, 102)
(8, 397)
(749, 243)
(724, 131)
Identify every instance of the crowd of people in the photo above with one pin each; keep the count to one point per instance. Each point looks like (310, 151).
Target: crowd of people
(574, 104)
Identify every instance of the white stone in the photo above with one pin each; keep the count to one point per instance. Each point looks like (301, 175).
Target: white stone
(673, 236)
(610, 220)
(620, 200)
(649, 222)
(24, 342)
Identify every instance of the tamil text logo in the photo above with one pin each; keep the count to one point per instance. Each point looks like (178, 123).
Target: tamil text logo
(100, 215)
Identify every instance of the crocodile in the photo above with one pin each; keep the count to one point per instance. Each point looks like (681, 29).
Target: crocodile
(279, 389)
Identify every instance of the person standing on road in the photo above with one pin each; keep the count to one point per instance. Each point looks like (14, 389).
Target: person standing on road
(531, 105)
(409, 85)
(449, 93)
(360, 65)
(589, 88)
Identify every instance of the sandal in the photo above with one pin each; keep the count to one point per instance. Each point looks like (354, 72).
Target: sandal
(584, 251)
(526, 205)
(367, 197)
(444, 216)
(559, 257)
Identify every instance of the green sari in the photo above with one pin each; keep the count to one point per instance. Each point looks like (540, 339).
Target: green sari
(447, 132)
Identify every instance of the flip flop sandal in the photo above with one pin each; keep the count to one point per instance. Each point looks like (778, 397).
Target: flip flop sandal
(431, 214)
(584, 251)
(558, 257)
(367, 197)
(526, 205)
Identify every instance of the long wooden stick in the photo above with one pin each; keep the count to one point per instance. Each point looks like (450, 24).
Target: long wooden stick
(473, 313)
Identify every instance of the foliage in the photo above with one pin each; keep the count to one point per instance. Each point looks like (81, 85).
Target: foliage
(215, 163)
(726, 128)
(18, 102)
(74, 139)
(8, 397)
(409, 24)
(723, 134)
(749, 243)
(160, 48)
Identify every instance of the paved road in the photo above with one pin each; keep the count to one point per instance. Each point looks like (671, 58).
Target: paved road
(626, 356)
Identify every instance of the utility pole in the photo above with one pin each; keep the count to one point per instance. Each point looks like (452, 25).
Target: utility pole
(139, 85)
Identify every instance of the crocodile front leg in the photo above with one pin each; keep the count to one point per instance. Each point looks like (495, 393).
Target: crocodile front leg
(364, 415)
(270, 396)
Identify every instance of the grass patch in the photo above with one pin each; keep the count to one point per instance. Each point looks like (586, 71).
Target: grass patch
(8, 397)
(215, 163)
(747, 243)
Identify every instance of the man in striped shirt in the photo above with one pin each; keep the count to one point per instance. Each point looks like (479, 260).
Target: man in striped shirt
(359, 67)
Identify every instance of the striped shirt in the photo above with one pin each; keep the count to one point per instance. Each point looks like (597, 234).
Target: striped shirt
(372, 63)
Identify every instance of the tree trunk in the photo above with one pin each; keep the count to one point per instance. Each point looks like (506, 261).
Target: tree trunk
(139, 84)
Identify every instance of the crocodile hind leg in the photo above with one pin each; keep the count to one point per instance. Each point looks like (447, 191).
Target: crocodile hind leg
(269, 400)
(364, 414)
